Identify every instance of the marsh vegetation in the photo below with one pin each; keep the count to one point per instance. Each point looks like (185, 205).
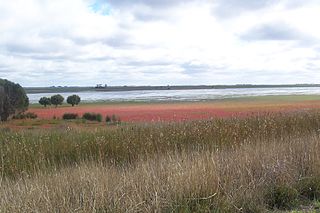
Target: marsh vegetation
(253, 164)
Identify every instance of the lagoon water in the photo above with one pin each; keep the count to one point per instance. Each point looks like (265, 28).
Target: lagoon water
(181, 95)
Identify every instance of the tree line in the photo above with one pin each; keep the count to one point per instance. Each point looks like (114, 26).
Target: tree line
(14, 100)
(58, 100)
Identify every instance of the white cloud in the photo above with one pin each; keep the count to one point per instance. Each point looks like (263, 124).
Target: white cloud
(84, 42)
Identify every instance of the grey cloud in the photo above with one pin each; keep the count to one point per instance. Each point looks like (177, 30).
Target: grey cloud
(151, 3)
(144, 15)
(16, 47)
(299, 3)
(313, 66)
(230, 8)
(99, 58)
(273, 31)
(260, 76)
(67, 35)
(48, 57)
(190, 68)
(119, 40)
(48, 51)
(4, 69)
(140, 63)
(222, 7)
(150, 10)
(42, 46)
(36, 55)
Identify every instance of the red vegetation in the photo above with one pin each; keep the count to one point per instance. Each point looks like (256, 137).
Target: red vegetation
(174, 112)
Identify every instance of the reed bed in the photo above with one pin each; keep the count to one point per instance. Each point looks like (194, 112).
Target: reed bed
(252, 164)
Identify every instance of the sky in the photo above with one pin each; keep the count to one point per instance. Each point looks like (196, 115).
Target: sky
(159, 42)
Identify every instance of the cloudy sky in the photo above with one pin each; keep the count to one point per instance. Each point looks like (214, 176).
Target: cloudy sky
(159, 42)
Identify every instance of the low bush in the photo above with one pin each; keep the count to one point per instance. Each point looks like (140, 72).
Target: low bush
(69, 116)
(19, 116)
(309, 188)
(92, 117)
(29, 115)
(281, 197)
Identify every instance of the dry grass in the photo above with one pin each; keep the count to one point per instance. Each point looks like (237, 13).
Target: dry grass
(229, 165)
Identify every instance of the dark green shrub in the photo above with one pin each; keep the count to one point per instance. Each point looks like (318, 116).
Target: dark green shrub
(309, 188)
(108, 119)
(69, 116)
(98, 117)
(92, 116)
(281, 197)
(19, 116)
(29, 115)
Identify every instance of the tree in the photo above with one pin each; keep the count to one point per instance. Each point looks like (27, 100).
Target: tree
(45, 101)
(13, 99)
(56, 100)
(73, 100)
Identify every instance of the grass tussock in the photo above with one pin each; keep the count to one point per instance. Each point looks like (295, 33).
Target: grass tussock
(232, 165)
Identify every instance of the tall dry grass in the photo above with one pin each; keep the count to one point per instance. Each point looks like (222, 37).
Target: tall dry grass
(30, 151)
(233, 165)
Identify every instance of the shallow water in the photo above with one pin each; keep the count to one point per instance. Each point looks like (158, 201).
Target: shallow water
(181, 95)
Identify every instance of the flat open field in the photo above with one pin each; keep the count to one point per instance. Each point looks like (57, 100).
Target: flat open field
(180, 111)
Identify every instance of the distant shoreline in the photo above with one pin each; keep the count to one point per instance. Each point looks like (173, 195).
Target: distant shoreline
(34, 90)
